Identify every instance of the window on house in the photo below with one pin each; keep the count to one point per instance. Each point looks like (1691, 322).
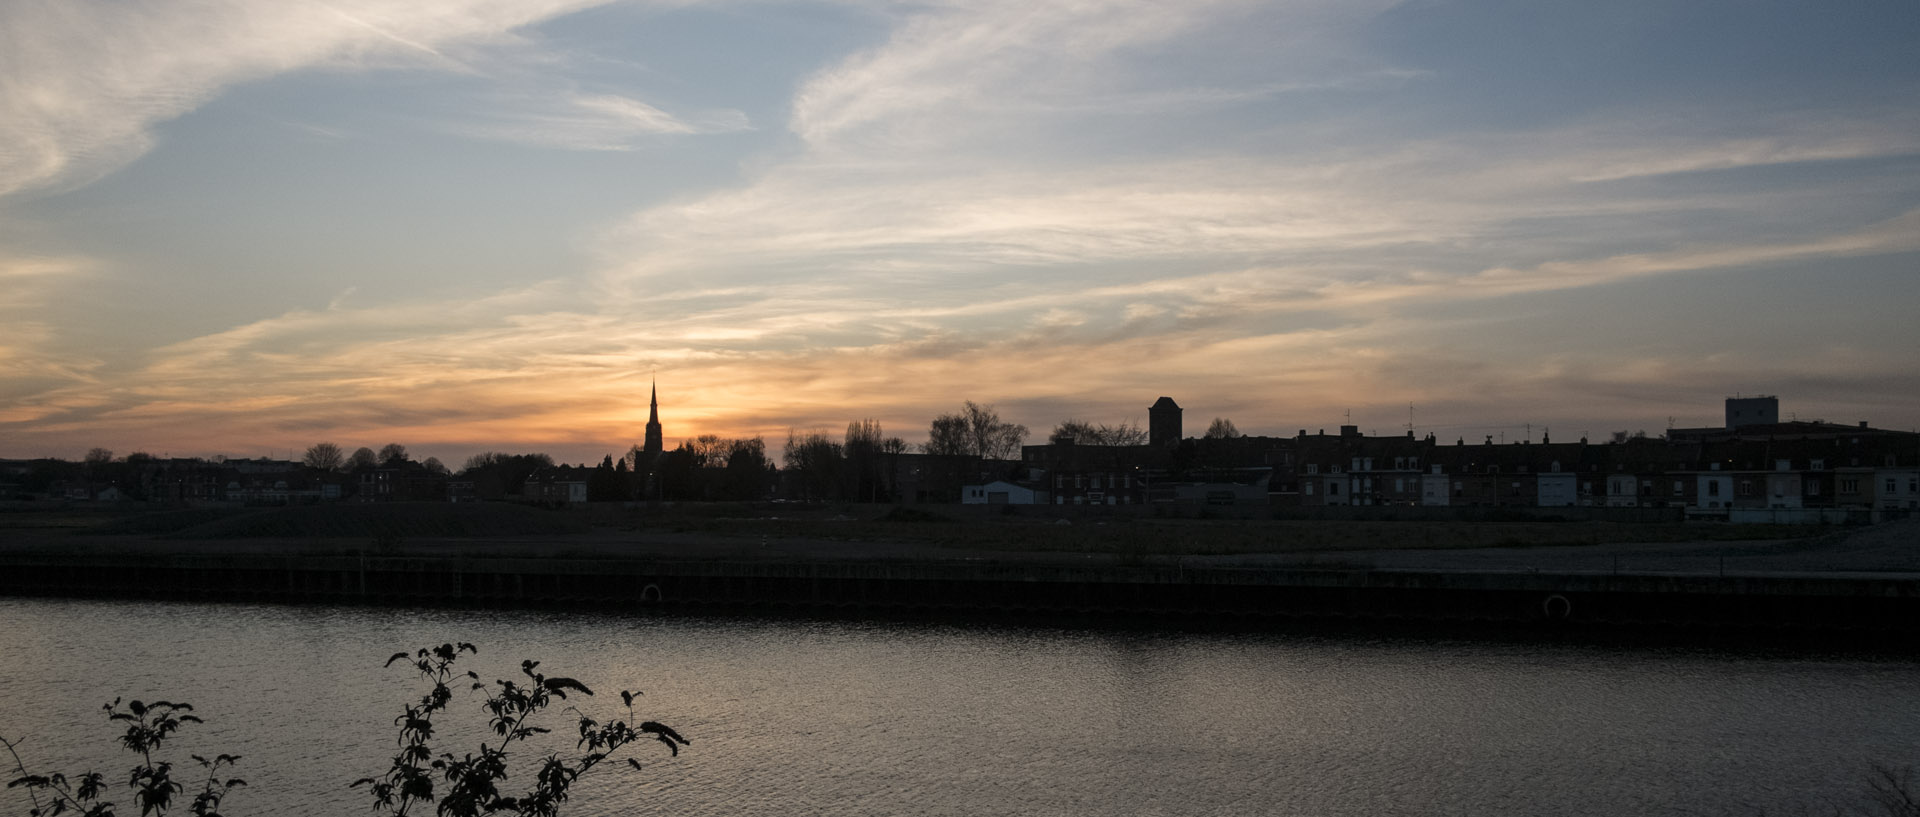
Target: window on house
(1713, 487)
(1333, 489)
(1783, 465)
(1306, 488)
(1849, 486)
(1913, 485)
(1313, 468)
(1818, 465)
(1892, 486)
(1813, 487)
(1746, 487)
(1679, 487)
(1399, 486)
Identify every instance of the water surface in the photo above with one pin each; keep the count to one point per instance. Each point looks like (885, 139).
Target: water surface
(796, 717)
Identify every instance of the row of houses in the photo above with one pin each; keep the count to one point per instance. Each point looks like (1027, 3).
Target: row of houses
(1747, 470)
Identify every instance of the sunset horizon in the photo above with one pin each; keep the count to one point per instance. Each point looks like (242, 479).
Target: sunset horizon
(242, 230)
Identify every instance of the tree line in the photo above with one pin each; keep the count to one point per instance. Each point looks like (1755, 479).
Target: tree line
(861, 464)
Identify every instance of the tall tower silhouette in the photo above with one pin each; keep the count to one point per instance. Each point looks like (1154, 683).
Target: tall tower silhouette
(654, 443)
(1163, 423)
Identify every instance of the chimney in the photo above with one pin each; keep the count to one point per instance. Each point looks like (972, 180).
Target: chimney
(1863, 424)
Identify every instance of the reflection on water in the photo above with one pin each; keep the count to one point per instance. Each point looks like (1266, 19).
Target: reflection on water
(792, 717)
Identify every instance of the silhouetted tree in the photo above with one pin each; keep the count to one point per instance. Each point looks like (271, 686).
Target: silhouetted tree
(674, 471)
(817, 463)
(747, 470)
(947, 435)
(497, 474)
(1085, 433)
(392, 452)
(363, 459)
(709, 450)
(435, 467)
(324, 456)
(976, 430)
(862, 447)
(1222, 429)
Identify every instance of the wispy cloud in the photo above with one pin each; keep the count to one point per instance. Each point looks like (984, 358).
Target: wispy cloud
(83, 83)
(586, 121)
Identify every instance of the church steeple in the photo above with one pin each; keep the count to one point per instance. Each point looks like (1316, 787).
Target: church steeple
(654, 443)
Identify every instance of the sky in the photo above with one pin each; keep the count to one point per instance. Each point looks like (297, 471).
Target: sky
(240, 227)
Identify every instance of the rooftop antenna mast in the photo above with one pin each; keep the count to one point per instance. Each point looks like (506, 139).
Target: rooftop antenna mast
(1409, 419)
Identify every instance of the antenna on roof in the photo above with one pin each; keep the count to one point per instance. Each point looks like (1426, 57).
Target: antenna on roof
(1409, 418)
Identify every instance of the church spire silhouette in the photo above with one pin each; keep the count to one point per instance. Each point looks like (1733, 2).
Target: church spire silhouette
(654, 443)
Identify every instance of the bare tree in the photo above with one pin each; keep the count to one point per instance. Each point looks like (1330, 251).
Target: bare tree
(363, 457)
(1222, 429)
(710, 450)
(434, 466)
(947, 435)
(747, 470)
(1085, 433)
(976, 430)
(818, 460)
(98, 456)
(392, 452)
(324, 456)
(862, 446)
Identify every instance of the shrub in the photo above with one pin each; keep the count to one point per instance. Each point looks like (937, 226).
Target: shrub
(474, 784)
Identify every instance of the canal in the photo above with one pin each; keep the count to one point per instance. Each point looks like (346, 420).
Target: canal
(796, 716)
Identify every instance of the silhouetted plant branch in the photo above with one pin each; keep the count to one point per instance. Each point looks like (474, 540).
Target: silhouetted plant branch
(474, 780)
(148, 727)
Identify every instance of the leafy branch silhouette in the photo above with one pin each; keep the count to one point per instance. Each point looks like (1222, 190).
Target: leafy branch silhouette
(149, 725)
(474, 781)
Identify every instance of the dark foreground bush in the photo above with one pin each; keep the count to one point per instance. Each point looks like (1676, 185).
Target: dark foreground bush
(421, 775)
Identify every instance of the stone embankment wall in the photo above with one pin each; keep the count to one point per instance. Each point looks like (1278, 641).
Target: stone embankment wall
(1801, 602)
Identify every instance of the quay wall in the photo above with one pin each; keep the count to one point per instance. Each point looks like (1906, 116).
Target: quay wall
(1806, 602)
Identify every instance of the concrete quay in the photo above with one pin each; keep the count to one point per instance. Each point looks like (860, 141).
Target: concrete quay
(1805, 602)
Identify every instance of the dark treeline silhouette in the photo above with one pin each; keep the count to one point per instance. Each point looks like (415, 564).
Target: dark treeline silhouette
(862, 464)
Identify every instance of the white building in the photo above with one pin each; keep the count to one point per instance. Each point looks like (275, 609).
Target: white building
(997, 493)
